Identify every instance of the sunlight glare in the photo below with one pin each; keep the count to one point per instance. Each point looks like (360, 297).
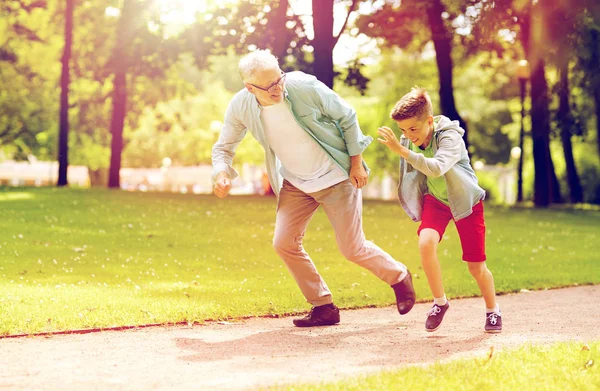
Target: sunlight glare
(180, 12)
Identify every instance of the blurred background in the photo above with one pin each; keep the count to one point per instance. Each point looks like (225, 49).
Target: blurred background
(130, 94)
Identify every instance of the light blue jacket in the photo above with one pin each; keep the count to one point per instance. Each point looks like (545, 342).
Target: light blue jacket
(318, 110)
(451, 160)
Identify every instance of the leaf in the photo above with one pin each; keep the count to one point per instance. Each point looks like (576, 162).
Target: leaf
(491, 353)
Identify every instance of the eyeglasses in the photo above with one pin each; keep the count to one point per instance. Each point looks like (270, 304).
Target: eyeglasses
(270, 89)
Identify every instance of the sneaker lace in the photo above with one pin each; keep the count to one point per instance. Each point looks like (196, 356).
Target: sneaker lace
(493, 317)
(434, 310)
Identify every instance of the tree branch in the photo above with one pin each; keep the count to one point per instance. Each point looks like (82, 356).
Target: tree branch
(352, 7)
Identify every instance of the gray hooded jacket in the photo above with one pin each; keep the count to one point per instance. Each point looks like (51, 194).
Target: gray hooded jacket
(451, 160)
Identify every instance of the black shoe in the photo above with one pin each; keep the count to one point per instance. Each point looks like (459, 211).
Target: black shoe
(405, 294)
(323, 315)
(493, 322)
(435, 316)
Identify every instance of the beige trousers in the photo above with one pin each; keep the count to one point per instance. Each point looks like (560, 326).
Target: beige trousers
(343, 205)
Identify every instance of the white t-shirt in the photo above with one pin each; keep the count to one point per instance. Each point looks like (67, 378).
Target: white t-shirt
(304, 162)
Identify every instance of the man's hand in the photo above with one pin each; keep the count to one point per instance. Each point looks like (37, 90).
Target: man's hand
(388, 138)
(222, 184)
(358, 174)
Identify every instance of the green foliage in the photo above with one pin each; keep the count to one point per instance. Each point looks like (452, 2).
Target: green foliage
(563, 366)
(186, 128)
(28, 97)
(484, 108)
(181, 129)
(489, 183)
(588, 169)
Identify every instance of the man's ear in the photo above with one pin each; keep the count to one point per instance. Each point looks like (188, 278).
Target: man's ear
(249, 88)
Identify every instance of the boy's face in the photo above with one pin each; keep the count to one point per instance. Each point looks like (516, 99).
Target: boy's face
(418, 130)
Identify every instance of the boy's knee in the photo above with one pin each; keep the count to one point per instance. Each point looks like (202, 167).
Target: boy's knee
(478, 269)
(428, 243)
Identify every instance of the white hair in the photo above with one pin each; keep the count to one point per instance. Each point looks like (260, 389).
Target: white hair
(258, 60)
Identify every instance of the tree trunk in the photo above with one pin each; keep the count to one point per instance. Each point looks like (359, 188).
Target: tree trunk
(277, 29)
(565, 116)
(523, 90)
(597, 107)
(595, 64)
(120, 58)
(545, 183)
(63, 134)
(324, 41)
(442, 42)
(119, 104)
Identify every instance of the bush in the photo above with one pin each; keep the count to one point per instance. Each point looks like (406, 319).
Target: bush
(489, 183)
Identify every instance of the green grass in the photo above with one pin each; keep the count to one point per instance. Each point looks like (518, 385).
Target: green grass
(564, 366)
(73, 258)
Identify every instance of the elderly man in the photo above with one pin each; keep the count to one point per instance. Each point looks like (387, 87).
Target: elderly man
(313, 151)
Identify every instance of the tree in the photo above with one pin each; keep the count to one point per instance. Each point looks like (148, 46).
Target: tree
(120, 63)
(522, 18)
(26, 113)
(139, 55)
(546, 187)
(410, 26)
(63, 138)
(588, 56)
(568, 126)
(324, 40)
(566, 22)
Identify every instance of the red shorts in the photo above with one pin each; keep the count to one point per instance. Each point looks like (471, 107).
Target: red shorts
(471, 229)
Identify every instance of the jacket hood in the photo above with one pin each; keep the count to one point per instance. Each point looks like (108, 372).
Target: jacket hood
(443, 123)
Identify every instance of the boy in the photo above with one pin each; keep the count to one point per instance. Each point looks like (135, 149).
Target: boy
(437, 184)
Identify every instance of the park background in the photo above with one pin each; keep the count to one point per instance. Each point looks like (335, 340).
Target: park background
(132, 93)
(95, 93)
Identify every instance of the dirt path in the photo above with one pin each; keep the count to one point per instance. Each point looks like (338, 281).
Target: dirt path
(264, 352)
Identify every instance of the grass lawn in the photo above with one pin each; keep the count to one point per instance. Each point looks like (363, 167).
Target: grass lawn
(566, 366)
(72, 258)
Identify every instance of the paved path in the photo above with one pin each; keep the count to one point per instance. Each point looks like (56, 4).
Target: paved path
(265, 352)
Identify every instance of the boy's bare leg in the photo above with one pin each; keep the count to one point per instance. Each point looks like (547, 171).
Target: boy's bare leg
(485, 280)
(428, 242)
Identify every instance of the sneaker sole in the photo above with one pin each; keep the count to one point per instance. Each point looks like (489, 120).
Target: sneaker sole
(318, 325)
(432, 330)
(493, 331)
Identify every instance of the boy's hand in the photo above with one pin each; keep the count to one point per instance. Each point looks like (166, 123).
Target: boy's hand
(222, 184)
(389, 139)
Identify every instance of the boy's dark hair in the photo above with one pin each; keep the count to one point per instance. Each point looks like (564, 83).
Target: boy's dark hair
(414, 104)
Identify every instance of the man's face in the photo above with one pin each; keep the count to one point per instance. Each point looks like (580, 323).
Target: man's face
(268, 86)
(418, 130)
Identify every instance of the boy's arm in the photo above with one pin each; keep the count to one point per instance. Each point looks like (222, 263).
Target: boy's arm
(232, 133)
(448, 154)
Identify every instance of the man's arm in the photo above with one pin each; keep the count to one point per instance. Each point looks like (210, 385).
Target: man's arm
(232, 133)
(334, 107)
